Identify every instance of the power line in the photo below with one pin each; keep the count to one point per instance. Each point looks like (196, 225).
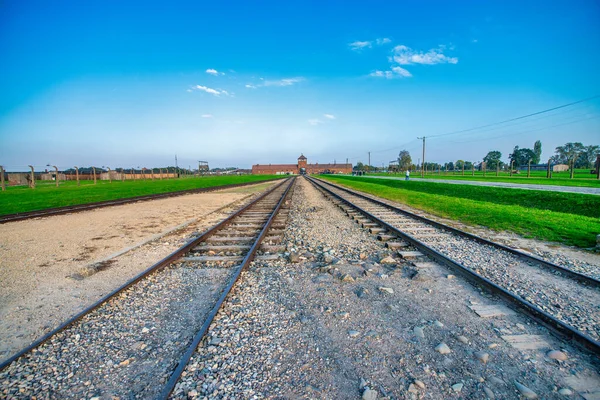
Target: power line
(516, 118)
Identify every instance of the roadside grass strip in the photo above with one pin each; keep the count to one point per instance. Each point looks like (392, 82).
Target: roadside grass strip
(569, 218)
(23, 199)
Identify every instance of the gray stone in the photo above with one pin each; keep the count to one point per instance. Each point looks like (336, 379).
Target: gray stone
(557, 355)
(482, 356)
(525, 391)
(565, 392)
(419, 333)
(369, 394)
(386, 290)
(438, 324)
(489, 393)
(462, 339)
(388, 260)
(442, 348)
(457, 387)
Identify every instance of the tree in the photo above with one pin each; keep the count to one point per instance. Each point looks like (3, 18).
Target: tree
(459, 164)
(404, 160)
(569, 152)
(537, 150)
(468, 165)
(589, 155)
(492, 159)
(521, 156)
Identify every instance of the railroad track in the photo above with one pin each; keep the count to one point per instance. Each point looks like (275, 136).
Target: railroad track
(137, 340)
(563, 300)
(48, 212)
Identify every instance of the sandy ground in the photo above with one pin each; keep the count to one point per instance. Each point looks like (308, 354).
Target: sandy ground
(44, 263)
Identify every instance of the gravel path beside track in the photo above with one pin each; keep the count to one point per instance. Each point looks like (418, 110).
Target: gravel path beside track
(338, 323)
(564, 298)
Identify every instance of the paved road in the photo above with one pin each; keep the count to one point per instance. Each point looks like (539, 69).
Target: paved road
(552, 188)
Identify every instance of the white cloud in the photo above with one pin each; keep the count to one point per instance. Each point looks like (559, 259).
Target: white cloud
(284, 82)
(329, 116)
(207, 115)
(396, 72)
(249, 86)
(214, 72)
(404, 55)
(382, 41)
(315, 121)
(358, 45)
(215, 92)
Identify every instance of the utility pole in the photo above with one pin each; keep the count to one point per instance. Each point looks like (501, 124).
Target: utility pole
(422, 168)
(176, 166)
(94, 170)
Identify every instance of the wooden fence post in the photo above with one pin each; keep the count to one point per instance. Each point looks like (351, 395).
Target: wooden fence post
(598, 166)
(511, 167)
(473, 169)
(2, 177)
(549, 172)
(109, 176)
(94, 172)
(573, 166)
(161, 176)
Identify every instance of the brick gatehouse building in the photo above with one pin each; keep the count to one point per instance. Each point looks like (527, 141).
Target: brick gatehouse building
(301, 168)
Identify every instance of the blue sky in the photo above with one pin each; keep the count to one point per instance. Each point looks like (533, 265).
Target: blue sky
(236, 83)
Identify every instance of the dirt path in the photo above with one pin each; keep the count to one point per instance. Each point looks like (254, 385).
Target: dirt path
(45, 263)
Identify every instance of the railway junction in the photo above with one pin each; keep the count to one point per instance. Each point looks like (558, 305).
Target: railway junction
(296, 288)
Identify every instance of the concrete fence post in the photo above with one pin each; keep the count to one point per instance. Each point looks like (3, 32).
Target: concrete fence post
(94, 172)
(77, 175)
(56, 168)
(32, 182)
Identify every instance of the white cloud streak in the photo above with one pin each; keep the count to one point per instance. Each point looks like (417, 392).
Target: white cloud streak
(207, 115)
(284, 82)
(214, 72)
(358, 45)
(215, 92)
(404, 55)
(382, 41)
(329, 116)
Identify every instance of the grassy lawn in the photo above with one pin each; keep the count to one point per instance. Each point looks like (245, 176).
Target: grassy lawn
(569, 218)
(581, 177)
(46, 195)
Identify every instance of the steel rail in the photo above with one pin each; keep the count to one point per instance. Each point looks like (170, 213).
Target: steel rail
(204, 328)
(160, 264)
(586, 279)
(47, 212)
(525, 306)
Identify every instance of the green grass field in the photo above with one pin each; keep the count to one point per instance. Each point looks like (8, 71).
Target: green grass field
(568, 218)
(18, 199)
(581, 177)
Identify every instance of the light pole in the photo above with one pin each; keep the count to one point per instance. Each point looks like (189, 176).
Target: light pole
(56, 169)
(94, 172)
(109, 177)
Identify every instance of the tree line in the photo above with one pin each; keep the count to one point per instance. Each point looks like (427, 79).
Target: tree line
(572, 153)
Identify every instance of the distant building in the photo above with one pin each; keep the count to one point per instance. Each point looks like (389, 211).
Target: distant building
(544, 167)
(301, 168)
